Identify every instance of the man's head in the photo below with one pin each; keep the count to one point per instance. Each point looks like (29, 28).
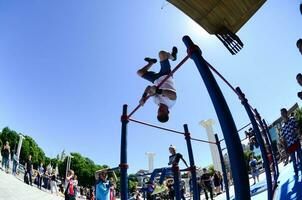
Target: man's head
(70, 173)
(172, 149)
(299, 45)
(284, 113)
(103, 175)
(299, 79)
(251, 157)
(29, 157)
(163, 113)
(204, 170)
(7, 143)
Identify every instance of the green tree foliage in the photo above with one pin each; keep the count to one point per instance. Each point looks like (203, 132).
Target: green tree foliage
(211, 169)
(11, 136)
(30, 147)
(83, 167)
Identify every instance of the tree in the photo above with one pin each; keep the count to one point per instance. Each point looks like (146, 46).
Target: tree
(10, 136)
(211, 169)
(83, 167)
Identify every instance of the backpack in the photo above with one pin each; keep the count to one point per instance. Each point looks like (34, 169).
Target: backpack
(70, 188)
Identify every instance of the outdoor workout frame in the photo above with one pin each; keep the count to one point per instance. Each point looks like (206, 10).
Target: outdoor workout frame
(229, 130)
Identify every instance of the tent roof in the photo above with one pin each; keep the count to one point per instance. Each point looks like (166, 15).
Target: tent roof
(213, 15)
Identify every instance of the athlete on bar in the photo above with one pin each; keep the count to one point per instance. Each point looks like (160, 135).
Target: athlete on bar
(165, 95)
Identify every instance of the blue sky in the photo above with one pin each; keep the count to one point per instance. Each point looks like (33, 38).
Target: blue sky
(67, 67)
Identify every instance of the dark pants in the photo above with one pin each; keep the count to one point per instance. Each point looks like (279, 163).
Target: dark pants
(164, 172)
(182, 194)
(40, 181)
(165, 69)
(29, 175)
(206, 188)
(15, 164)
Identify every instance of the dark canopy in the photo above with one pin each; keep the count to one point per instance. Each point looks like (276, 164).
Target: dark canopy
(215, 15)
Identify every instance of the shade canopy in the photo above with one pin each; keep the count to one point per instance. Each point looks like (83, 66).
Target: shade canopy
(216, 15)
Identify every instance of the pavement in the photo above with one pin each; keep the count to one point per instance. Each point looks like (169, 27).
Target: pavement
(289, 188)
(11, 188)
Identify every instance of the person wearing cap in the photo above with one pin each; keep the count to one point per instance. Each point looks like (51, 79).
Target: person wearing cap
(164, 95)
(105, 189)
(174, 159)
(299, 45)
(102, 188)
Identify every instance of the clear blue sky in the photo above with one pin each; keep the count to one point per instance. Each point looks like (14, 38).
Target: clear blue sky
(67, 67)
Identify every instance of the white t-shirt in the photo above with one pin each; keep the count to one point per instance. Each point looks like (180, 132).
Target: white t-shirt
(167, 85)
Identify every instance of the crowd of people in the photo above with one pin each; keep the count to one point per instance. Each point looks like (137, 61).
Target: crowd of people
(45, 178)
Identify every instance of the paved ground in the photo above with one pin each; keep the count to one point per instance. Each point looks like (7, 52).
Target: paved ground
(12, 188)
(290, 188)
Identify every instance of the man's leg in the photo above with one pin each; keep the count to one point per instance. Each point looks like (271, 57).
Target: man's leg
(205, 193)
(211, 191)
(163, 175)
(145, 73)
(30, 178)
(299, 152)
(154, 174)
(293, 158)
(165, 67)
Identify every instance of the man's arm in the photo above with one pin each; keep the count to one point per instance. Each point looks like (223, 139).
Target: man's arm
(144, 96)
(184, 161)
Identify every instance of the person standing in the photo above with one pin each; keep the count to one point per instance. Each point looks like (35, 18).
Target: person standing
(289, 133)
(69, 186)
(5, 156)
(40, 176)
(206, 183)
(254, 169)
(217, 183)
(29, 170)
(102, 189)
(53, 183)
(15, 164)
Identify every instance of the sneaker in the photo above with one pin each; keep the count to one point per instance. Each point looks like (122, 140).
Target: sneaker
(150, 60)
(174, 53)
(159, 189)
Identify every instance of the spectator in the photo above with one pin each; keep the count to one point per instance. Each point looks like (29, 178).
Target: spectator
(75, 184)
(53, 183)
(217, 183)
(206, 183)
(102, 186)
(91, 194)
(5, 156)
(221, 181)
(290, 135)
(170, 186)
(29, 170)
(70, 189)
(15, 164)
(112, 188)
(40, 175)
(254, 169)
